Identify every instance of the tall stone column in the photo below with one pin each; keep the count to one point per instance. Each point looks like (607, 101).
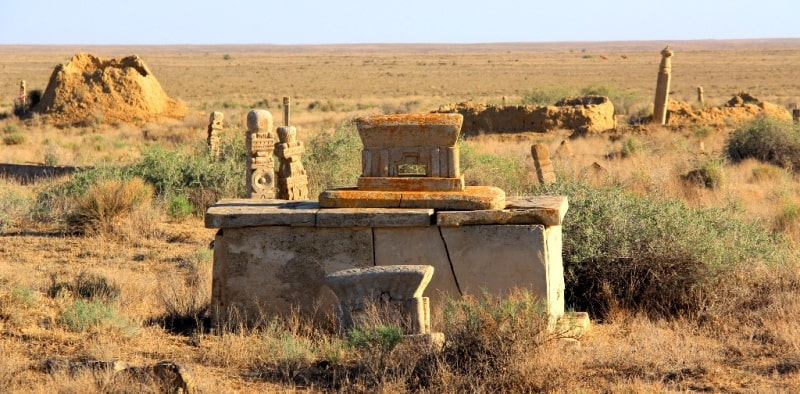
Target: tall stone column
(700, 98)
(214, 131)
(260, 164)
(662, 87)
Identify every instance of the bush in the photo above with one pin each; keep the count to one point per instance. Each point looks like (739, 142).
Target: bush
(652, 255)
(108, 201)
(81, 315)
(14, 138)
(486, 335)
(543, 97)
(506, 172)
(14, 207)
(179, 207)
(766, 139)
(86, 286)
(333, 159)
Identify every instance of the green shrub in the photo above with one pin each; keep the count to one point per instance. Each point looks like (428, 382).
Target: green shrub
(333, 159)
(107, 201)
(766, 139)
(179, 207)
(486, 334)
(82, 315)
(543, 97)
(487, 169)
(652, 255)
(14, 206)
(14, 138)
(709, 174)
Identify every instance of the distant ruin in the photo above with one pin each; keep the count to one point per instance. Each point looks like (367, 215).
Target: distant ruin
(89, 90)
(592, 114)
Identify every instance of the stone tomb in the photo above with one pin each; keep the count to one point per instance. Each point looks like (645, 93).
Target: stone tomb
(272, 256)
(412, 161)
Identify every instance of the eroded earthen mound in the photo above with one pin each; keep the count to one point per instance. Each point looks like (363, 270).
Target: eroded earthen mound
(588, 114)
(90, 90)
(740, 107)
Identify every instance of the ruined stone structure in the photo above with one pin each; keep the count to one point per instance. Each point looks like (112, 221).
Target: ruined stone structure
(272, 256)
(589, 114)
(214, 131)
(410, 208)
(662, 87)
(395, 290)
(545, 173)
(412, 161)
(292, 177)
(260, 143)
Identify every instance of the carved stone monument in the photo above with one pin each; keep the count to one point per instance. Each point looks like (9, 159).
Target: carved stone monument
(541, 161)
(292, 177)
(662, 87)
(214, 131)
(412, 161)
(260, 142)
(395, 289)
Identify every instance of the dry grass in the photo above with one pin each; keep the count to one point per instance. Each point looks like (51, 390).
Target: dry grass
(743, 340)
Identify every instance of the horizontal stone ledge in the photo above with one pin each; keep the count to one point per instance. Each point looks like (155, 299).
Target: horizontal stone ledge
(374, 217)
(253, 213)
(544, 210)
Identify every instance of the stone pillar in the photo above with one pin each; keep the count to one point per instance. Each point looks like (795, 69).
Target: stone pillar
(214, 131)
(662, 87)
(700, 98)
(796, 115)
(260, 143)
(544, 167)
(286, 105)
(23, 97)
(292, 177)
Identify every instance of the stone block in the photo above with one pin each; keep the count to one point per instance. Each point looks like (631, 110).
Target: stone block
(273, 270)
(374, 217)
(416, 246)
(550, 209)
(252, 213)
(516, 257)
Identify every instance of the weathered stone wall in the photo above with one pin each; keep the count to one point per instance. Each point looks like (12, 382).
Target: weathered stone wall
(271, 256)
(591, 114)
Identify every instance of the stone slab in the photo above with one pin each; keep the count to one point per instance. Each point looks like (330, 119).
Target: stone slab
(263, 271)
(516, 257)
(411, 183)
(374, 217)
(235, 213)
(429, 129)
(551, 209)
(548, 211)
(418, 245)
(472, 198)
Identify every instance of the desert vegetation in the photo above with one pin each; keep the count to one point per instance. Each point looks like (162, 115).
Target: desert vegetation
(680, 241)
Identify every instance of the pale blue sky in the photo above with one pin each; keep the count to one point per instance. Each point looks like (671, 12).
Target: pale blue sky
(86, 22)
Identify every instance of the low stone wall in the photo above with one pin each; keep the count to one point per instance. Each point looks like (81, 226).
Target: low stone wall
(592, 114)
(28, 173)
(271, 256)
